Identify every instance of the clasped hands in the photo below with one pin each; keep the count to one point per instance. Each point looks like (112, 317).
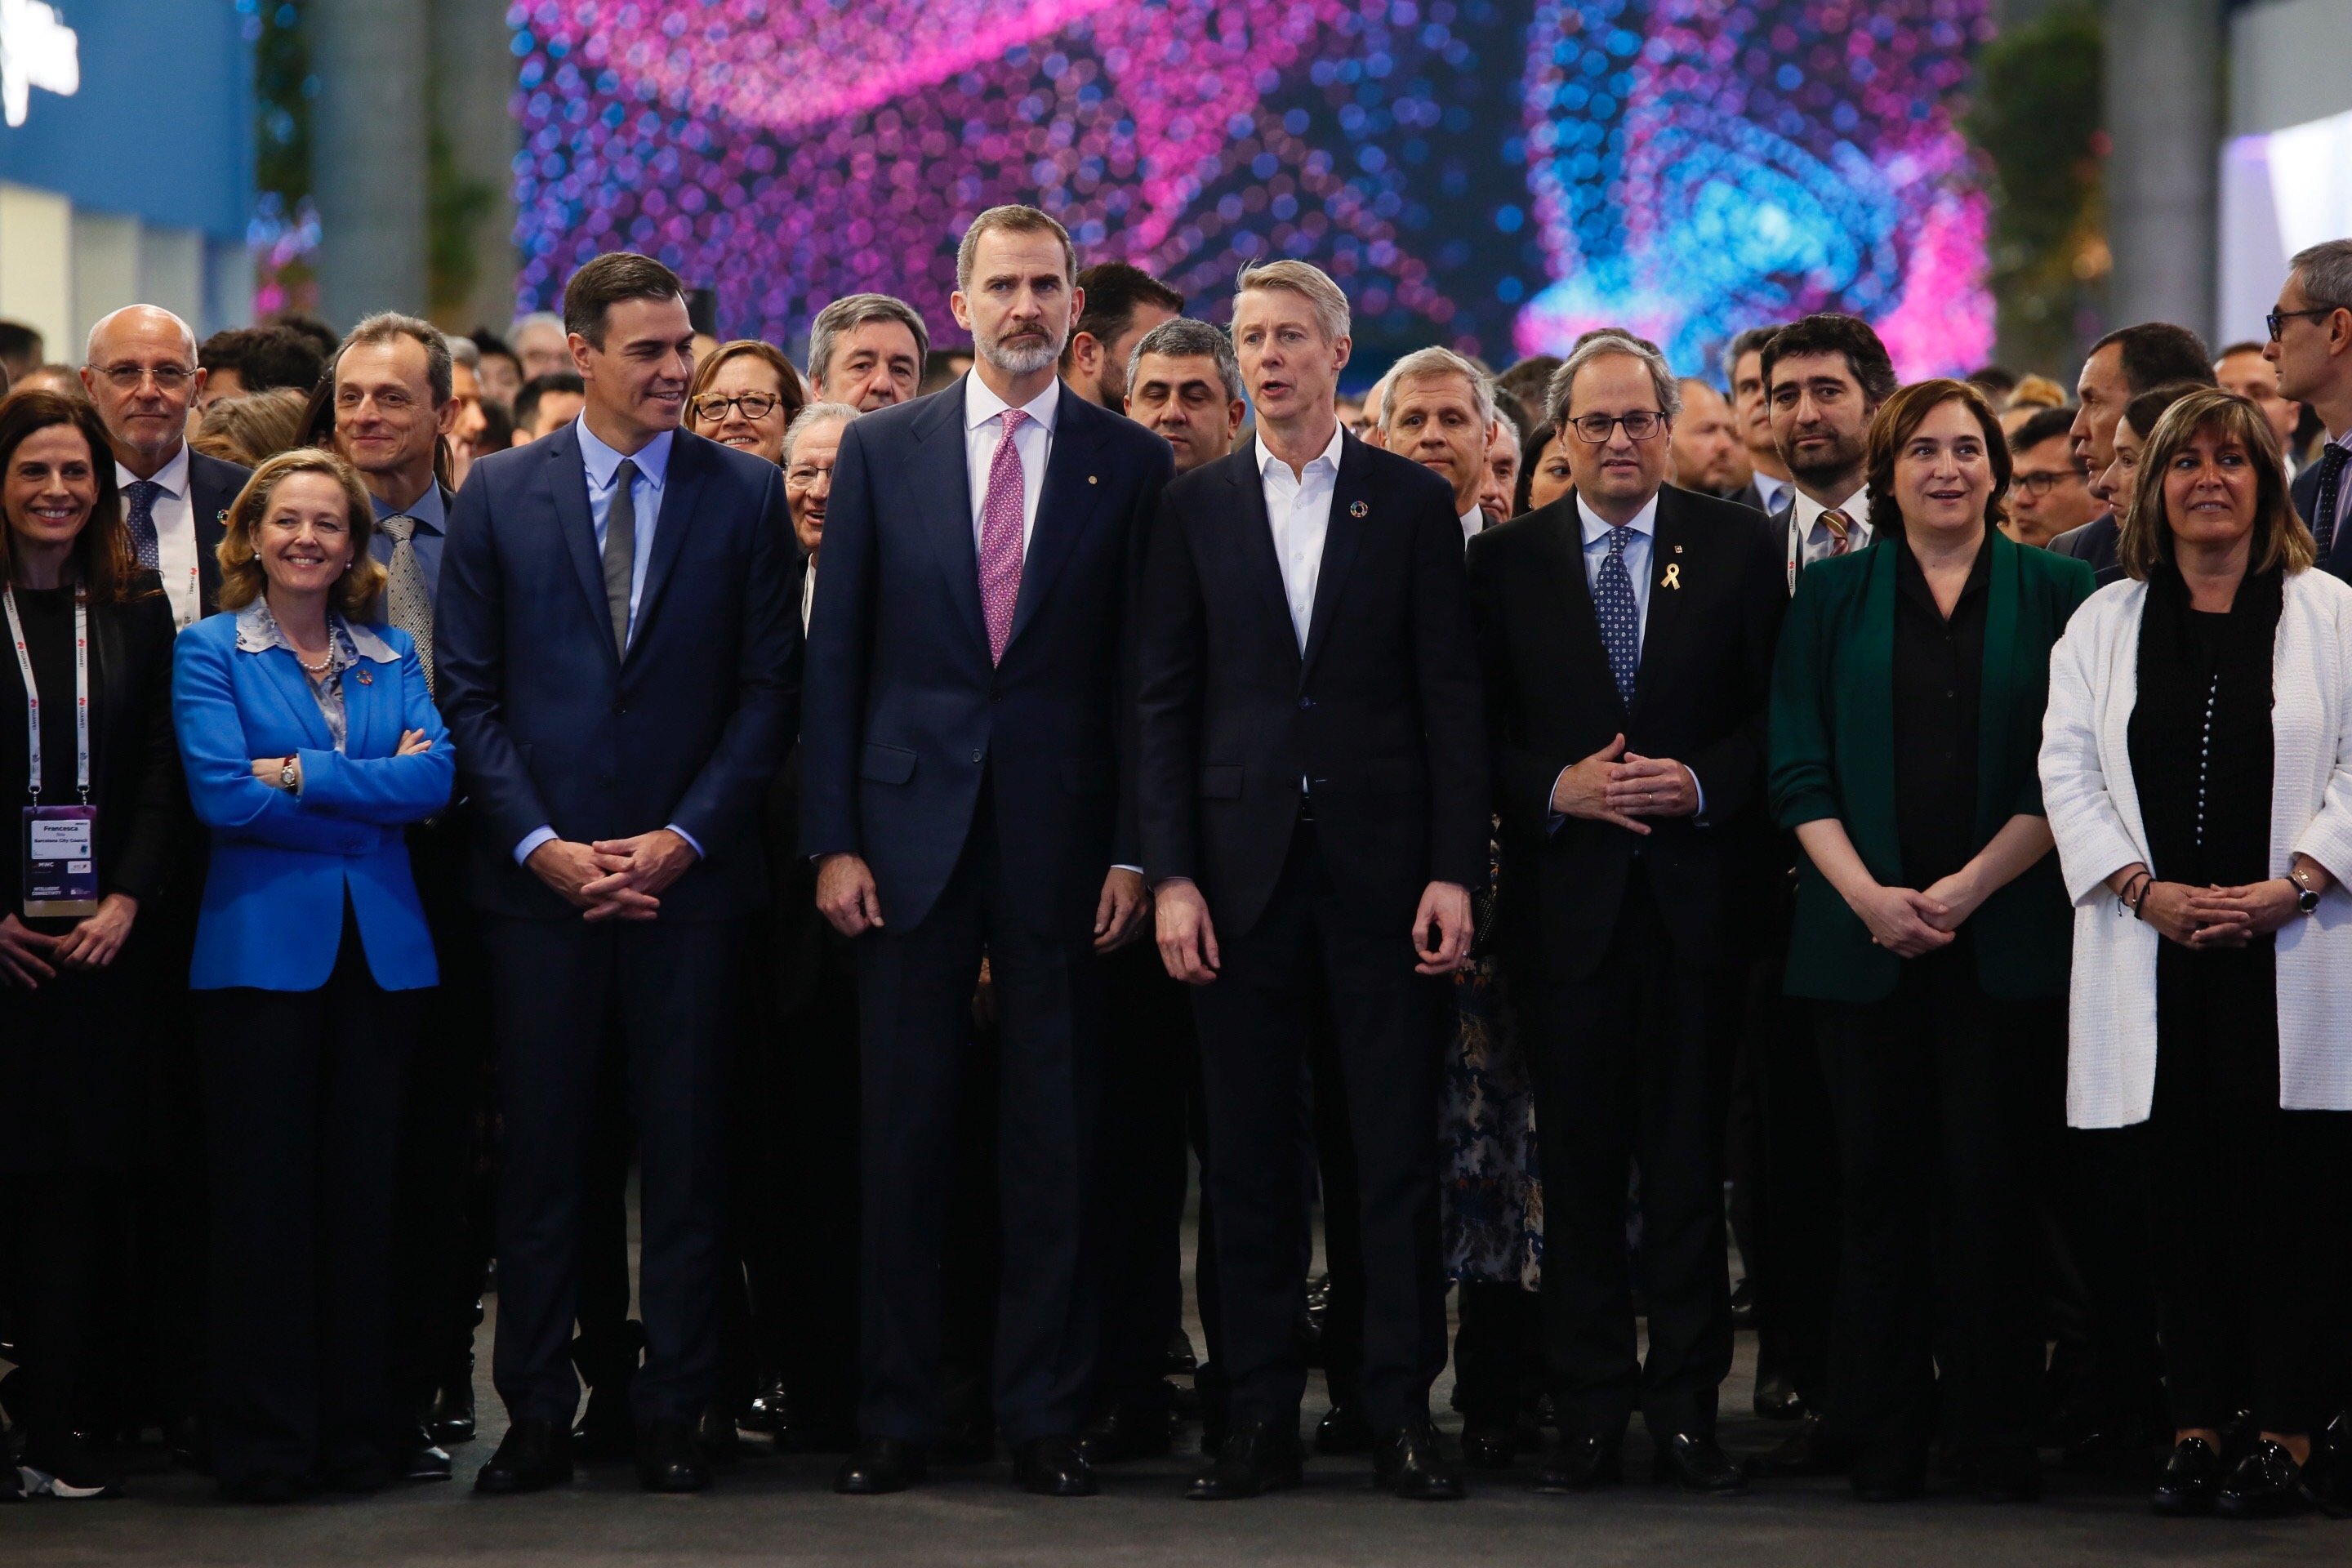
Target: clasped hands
(27, 956)
(2214, 917)
(1622, 787)
(615, 878)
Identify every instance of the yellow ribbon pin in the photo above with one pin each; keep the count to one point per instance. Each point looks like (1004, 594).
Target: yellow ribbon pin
(1674, 578)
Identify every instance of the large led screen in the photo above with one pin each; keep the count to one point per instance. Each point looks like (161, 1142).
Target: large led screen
(1496, 176)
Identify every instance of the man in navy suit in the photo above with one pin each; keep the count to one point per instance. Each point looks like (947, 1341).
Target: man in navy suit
(618, 657)
(963, 791)
(2311, 343)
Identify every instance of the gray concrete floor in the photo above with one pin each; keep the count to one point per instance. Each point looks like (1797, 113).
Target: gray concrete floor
(779, 1509)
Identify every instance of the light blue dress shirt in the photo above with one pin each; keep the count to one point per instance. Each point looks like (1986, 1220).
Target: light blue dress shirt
(432, 527)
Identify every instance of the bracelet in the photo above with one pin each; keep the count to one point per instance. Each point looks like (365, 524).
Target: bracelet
(2135, 893)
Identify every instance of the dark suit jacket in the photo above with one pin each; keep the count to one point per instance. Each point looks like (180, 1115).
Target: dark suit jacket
(1833, 756)
(212, 487)
(1381, 713)
(1706, 661)
(2094, 543)
(905, 712)
(553, 727)
(2305, 494)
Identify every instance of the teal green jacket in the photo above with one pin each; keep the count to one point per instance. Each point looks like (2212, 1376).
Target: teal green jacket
(1833, 755)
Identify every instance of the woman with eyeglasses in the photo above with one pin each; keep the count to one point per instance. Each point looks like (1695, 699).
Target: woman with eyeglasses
(746, 396)
(1930, 934)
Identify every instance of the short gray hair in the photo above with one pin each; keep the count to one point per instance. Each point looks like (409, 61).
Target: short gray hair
(814, 415)
(1423, 364)
(853, 310)
(2327, 272)
(385, 326)
(1306, 278)
(1014, 218)
(462, 350)
(1601, 345)
(1183, 338)
(532, 319)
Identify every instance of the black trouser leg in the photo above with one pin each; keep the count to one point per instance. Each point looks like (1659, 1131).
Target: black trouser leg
(811, 1328)
(1800, 1221)
(1498, 1350)
(61, 1223)
(607, 1351)
(1140, 1200)
(1343, 1234)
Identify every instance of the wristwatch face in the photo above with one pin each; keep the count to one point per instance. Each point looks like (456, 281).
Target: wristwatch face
(2304, 899)
(286, 775)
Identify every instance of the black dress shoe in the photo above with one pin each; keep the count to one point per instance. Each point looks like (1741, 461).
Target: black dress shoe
(1582, 1464)
(1255, 1457)
(2190, 1480)
(877, 1466)
(2007, 1475)
(767, 1412)
(1344, 1430)
(425, 1460)
(1777, 1398)
(607, 1431)
(1811, 1450)
(716, 1433)
(1053, 1466)
(1128, 1432)
(1408, 1463)
(1695, 1462)
(1488, 1444)
(670, 1456)
(1181, 1361)
(2265, 1484)
(451, 1419)
(531, 1457)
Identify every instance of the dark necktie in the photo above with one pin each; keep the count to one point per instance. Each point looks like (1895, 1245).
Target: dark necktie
(1620, 615)
(141, 520)
(621, 551)
(2331, 492)
(405, 602)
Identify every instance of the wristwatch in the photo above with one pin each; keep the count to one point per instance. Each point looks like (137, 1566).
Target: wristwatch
(2307, 898)
(287, 776)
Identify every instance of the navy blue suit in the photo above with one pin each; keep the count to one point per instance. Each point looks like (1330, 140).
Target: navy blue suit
(555, 728)
(991, 802)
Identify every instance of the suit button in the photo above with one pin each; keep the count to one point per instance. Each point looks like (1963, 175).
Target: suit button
(977, 752)
(1307, 703)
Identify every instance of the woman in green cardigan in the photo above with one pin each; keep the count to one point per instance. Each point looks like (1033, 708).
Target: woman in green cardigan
(1932, 931)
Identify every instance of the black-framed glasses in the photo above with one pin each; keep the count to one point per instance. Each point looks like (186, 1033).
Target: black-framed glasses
(2041, 483)
(2277, 320)
(756, 406)
(127, 378)
(1592, 430)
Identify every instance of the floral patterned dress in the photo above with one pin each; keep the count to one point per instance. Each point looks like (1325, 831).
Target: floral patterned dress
(1492, 1193)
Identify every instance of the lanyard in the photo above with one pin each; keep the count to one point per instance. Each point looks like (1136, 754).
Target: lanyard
(33, 695)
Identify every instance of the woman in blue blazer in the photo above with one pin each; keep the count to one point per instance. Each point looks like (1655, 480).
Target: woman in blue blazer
(309, 741)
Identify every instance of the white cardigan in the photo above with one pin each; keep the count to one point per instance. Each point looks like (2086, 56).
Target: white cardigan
(2093, 806)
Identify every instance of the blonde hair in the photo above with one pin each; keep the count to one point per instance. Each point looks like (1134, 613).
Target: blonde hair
(247, 430)
(1302, 277)
(2036, 392)
(242, 577)
(2281, 540)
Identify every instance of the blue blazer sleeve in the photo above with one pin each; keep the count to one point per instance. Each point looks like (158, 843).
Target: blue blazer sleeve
(469, 655)
(391, 791)
(219, 764)
(840, 628)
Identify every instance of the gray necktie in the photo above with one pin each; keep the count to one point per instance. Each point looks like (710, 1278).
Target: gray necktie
(407, 604)
(621, 551)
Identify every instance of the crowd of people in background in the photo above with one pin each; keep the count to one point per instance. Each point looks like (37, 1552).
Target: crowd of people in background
(908, 804)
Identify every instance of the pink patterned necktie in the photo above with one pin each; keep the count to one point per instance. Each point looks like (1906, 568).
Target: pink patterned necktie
(1000, 539)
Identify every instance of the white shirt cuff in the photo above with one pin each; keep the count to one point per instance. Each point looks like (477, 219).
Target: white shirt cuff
(691, 842)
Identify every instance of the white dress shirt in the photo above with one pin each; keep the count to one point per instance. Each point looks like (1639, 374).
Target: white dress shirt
(983, 427)
(808, 595)
(1299, 508)
(1474, 522)
(175, 535)
(1813, 535)
(1769, 491)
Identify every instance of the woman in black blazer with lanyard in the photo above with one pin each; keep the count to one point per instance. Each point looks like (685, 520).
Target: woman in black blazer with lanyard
(1931, 931)
(86, 759)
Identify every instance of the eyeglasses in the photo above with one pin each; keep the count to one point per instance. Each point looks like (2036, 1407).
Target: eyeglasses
(2277, 320)
(755, 406)
(168, 377)
(1593, 429)
(2042, 483)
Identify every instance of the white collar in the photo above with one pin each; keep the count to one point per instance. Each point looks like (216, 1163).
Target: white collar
(602, 461)
(173, 476)
(1857, 508)
(1328, 455)
(982, 404)
(257, 631)
(1596, 527)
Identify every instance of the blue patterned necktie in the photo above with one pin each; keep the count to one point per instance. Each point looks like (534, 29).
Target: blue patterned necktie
(1620, 616)
(141, 520)
(2331, 482)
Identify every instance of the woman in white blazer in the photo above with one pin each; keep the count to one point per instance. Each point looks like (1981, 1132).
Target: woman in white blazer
(2196, 767)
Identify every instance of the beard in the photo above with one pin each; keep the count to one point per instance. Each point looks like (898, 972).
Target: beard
(1017, 359)
(1844, 454)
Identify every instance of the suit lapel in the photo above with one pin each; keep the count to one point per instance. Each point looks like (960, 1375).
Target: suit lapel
(1866, 684)
(566, 478)
(1257, 554)
(1997, 686)
(1343, 539)
(1661, 629)
(294, 691)
(681, 487)
(942, 479)
(1064, 506)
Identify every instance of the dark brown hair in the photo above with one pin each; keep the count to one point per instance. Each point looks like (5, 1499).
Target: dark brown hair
(242, 577)
(102, 560)
(2279, 537)
(1899, 418)
(607, 281)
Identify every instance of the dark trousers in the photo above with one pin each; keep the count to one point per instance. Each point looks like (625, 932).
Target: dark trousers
(1499, 1350)
(302, 1110)
(1311, 951)
(667, 994)
(1946, 1102)
(1798, 1220)
(1631, 1066)
(61, 1228)
(2246, 1205)
(915, 993)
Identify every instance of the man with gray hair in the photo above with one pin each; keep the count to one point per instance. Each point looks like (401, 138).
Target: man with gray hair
(1184, 382)
(539, 342)
(2311, 343)
(1626, 632)
(866, 350)
(1439, 412)
(140, 369)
